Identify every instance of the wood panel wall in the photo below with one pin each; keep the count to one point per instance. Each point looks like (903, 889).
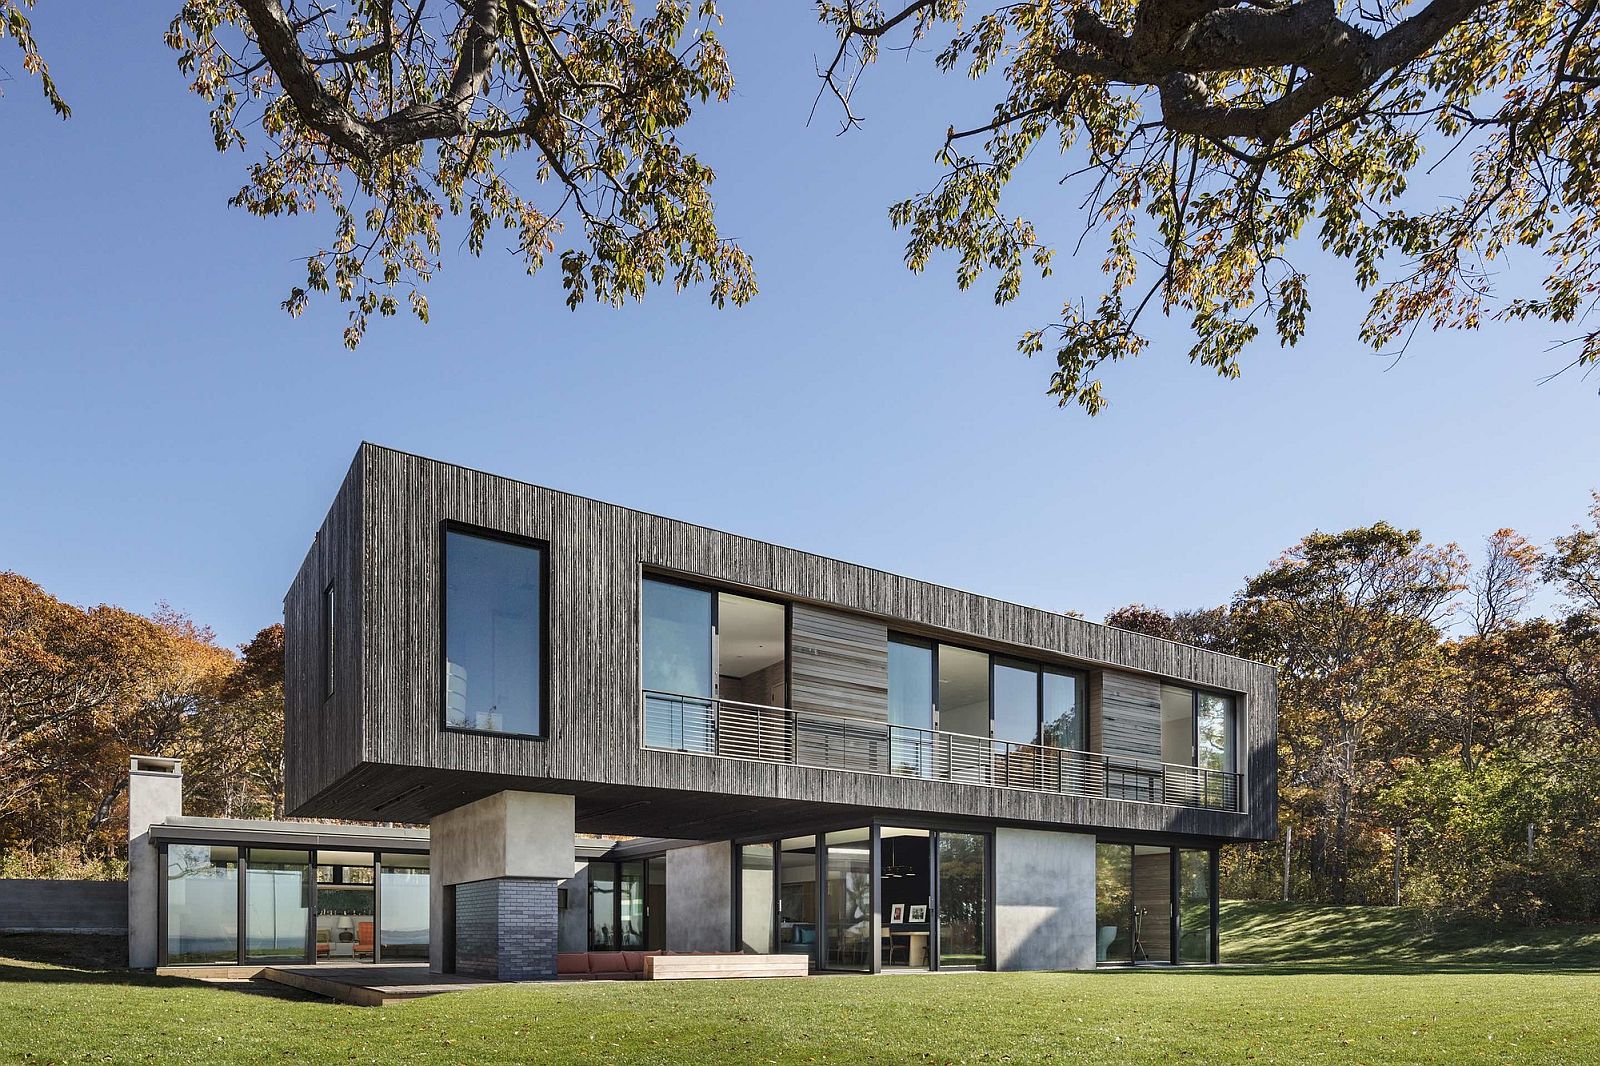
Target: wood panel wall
(1130, 715)
(838, 662)
(380, 753)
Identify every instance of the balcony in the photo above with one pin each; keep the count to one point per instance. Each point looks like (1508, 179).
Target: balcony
(729, 729)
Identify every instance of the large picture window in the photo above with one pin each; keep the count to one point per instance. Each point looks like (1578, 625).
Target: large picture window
(202, 904)
(494, 629)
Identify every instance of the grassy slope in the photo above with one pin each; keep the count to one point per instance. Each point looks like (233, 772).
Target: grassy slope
(50, 1013)
(1394, 936)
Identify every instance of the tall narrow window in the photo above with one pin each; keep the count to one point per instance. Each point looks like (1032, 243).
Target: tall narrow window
(1177, 725)
(911, 743)
(678, 670)
(1016, 702)
(493, 634)
(1066, 725)
(327, 641)
(755, 898)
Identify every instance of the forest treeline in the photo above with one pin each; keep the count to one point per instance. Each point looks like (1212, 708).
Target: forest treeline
(81, 690)
(1439, 721)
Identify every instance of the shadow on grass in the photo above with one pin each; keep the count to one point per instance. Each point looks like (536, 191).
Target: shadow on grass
(1398, 967)
(93, 959)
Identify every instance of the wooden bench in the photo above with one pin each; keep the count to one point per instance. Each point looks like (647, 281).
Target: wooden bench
(699, 967)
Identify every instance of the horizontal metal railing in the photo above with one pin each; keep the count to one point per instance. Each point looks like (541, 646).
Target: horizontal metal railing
(705, 726)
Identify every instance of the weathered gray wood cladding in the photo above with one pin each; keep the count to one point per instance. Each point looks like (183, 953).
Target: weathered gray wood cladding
(838, 662)
(382, 754)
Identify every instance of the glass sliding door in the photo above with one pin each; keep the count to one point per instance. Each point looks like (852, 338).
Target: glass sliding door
(202, 904)
(1194, 906)
(403, 908)
(752, 644)
(631, 901)
(277, 905)
(1113, 903)
(677, 668)
(964, 713)
(910, 707)
(962, 865)
(346, 906)
(756, 898)
(905, 883)
(603, 906)
(797, 897)
(847, 901)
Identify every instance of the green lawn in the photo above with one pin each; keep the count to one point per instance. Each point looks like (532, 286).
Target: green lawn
(1346, 1013)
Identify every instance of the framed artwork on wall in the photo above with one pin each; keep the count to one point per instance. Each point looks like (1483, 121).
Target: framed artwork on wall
(919, 914)
(897, 914)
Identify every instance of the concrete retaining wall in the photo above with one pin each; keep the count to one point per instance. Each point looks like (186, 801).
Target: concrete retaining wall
(38, 906)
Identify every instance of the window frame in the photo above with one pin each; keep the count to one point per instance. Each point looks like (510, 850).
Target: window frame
(447, 527)
(329, 648)
(716, 592)
(1039, 668)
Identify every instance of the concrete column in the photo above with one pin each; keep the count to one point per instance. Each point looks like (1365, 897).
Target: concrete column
(500, 859)
(155, 793)
(700, 898)
(1044, 900)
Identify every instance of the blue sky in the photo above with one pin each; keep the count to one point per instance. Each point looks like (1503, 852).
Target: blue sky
(166, 433)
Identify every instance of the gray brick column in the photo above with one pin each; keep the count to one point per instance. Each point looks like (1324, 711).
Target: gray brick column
(506, 929)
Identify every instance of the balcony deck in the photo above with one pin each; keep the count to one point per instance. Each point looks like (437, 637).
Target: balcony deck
(730, 729)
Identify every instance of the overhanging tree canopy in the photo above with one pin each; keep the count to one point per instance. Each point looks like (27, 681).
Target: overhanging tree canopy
(1210, 142)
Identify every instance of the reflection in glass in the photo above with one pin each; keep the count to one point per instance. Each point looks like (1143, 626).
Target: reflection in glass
(1016, 702)
(797, 896)
(1194, 906)
(963, 879)
(202, 904)
(632, 900)
(755, 898)
(1065, 723)
(1214, 733)
(1113, 903)
(849, 899)
(676, 649)
(493, 634)
(964, 713)
(1152, 904)
(277, 904)
(910, 707)
(603, 906)
(403, 903)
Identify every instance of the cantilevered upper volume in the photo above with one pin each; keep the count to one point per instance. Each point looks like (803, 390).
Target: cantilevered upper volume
(453, 634)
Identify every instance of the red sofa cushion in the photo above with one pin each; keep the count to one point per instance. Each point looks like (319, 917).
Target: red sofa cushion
(608, 962)
(572, 964)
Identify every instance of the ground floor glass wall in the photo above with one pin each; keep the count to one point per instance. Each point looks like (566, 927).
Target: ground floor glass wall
(891, 897)
(1154, 904)
(628, 905)
(277, 909)
(224, 904)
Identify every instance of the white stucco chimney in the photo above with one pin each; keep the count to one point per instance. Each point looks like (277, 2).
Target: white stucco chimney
(155, 793)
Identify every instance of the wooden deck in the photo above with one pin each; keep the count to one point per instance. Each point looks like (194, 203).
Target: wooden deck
(369, 985)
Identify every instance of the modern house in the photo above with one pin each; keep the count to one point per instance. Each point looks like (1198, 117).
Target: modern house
(826, 759)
